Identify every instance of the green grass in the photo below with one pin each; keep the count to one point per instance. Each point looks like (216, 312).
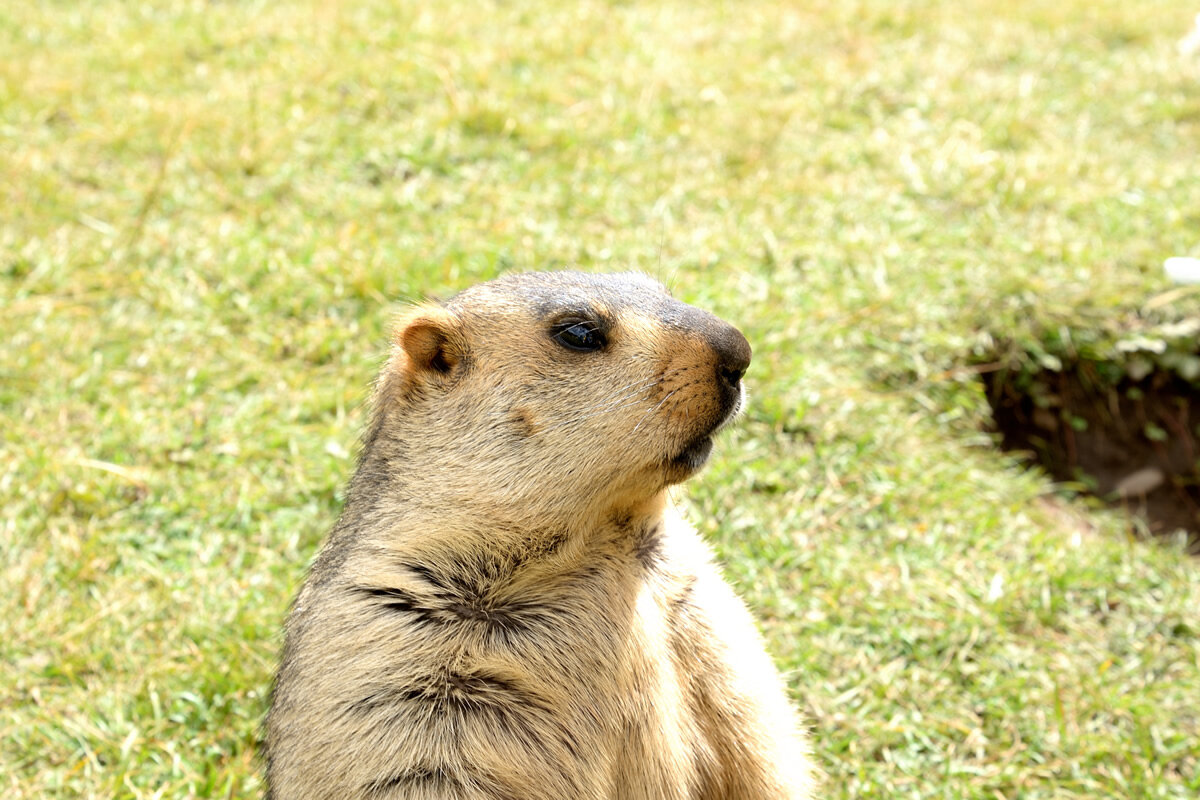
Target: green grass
(211, 210)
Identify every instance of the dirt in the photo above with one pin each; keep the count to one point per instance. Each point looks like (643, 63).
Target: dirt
(1133, 443)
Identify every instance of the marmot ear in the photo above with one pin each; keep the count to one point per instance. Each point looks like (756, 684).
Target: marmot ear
(430, 338)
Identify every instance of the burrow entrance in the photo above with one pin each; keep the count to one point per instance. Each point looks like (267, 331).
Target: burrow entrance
(1131, 442)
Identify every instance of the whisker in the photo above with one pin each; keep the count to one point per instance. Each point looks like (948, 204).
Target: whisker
(582, 417)
(636, 386)
(656, 408)
(612, 403)
(608, 404)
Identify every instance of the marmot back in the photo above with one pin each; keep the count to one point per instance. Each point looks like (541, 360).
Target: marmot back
(508, 607)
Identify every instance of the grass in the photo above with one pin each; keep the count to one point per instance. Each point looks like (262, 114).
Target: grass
(212, 209)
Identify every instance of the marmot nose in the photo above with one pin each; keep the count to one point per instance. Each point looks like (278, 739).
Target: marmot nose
(733, 353)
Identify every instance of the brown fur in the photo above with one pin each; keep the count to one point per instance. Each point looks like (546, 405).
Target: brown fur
(508, 606)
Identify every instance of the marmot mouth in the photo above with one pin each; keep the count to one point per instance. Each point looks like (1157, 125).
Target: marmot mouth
(694, 455)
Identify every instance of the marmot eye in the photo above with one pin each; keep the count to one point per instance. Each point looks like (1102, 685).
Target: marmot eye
(578, 335)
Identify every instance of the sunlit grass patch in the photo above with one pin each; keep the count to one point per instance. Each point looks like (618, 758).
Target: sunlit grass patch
(211, 211)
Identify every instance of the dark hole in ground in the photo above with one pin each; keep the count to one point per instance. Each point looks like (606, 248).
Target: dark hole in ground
(1132, 443)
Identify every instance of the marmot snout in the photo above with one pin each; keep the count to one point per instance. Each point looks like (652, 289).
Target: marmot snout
(508, 606)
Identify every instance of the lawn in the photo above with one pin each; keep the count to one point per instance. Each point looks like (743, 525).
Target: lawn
(210, 211)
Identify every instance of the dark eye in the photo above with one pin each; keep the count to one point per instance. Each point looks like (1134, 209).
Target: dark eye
(578, 335)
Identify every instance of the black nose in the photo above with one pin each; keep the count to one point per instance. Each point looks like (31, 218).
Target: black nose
(731, 348)
(732, 376)
(733, 353)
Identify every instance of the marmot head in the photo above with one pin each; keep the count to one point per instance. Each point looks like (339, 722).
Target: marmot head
(551, 393)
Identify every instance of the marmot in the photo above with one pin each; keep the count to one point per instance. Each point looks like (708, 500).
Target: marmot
(508, 606)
